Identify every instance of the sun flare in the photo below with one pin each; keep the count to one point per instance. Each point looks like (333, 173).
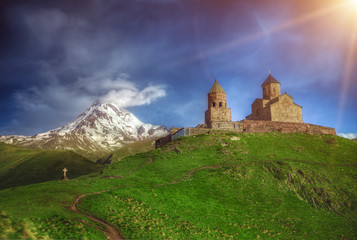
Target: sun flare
(353, 3)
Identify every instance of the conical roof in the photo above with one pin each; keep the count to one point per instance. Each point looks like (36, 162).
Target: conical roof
(270, 79)
(216, 88)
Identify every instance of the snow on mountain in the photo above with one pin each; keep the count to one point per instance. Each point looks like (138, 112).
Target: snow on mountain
(97, 131)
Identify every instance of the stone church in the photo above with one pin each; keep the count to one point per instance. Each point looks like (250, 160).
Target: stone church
(274, 106)
(273, 112)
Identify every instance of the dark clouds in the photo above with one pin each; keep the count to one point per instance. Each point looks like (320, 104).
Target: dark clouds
(57, 57)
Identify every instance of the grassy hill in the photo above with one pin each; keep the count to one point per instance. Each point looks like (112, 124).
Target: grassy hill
(222, 185)
(128, 150)
(20, 166)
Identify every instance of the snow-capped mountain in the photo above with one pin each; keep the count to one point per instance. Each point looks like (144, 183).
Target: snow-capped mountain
(99, 130)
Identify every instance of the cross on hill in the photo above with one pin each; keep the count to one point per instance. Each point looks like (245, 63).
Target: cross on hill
(64, 174)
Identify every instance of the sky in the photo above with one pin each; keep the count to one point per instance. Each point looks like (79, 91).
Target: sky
(159, 59)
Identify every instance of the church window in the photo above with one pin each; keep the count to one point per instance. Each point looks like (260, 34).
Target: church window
(220, 104)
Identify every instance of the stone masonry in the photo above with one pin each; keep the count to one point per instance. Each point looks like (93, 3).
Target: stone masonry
(274, 112)
(254, 126)
(217, 105)
(274, 106)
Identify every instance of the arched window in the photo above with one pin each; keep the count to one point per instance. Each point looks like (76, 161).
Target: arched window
(213, 104)
(220, 104)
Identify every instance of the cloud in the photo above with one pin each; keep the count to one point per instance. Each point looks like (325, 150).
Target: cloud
(348, 135)
(48, 106)
(77, 57)
(76, 96)
(121, 90)
(130, 97)
(61, 56)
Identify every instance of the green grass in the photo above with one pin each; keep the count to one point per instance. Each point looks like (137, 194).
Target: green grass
(20, 166)
(269, 186)
(129, 150)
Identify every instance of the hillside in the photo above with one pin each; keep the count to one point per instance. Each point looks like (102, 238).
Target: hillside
(20, 166)
(217, 186)
(128, 150)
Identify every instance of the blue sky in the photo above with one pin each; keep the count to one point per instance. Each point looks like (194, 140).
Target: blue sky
(159, 58)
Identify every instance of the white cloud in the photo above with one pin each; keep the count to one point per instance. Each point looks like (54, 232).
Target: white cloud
(129, 97)
(101, 84)
(121, 90)
(348, 135)
(77, 96)
(55, 103)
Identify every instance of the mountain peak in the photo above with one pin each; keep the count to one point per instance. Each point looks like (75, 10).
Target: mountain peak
(102, 127)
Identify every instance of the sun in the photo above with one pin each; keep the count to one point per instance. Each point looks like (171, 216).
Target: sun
(353, 3)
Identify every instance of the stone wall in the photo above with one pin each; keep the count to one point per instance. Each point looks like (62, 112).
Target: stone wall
(201, 126)
(173, 130)
(253, 126)
(217, 114)
(233, 126)
(162, 141)
(283, 109)
(260, 110)
(279, 109)
(249, 126)
(217, 99)
(271, 90)
(198, 131)
(180, 133)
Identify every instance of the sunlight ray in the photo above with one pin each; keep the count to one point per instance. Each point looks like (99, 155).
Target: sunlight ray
(347, 75)
(272, 30)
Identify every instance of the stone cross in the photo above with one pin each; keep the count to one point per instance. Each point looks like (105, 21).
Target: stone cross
(64, 172)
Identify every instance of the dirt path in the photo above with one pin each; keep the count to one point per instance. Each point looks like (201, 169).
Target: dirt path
(193, 171)
(189, 174)
(110, 231)
(140, 166)
(114, 233)
(319, 163)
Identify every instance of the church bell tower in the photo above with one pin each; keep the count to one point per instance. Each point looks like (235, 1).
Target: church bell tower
(217, 105)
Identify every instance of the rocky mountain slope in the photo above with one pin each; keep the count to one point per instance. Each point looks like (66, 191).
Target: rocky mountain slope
(101, 129)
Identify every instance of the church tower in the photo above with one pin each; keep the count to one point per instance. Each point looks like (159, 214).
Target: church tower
(217, 105)
(273, 106)
(271, 88)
